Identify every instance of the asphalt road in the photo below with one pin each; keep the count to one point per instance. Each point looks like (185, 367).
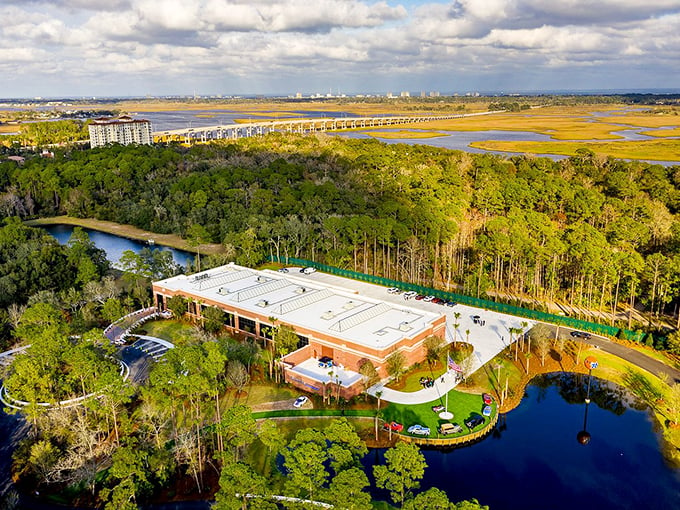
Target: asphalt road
(635, 357)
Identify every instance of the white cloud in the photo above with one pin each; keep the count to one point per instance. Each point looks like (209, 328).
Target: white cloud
(232, 41)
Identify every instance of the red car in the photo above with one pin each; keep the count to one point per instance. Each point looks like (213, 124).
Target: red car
(394, 426)
(487, 399)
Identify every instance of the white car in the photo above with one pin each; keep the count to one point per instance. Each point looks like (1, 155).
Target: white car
(308, 270)
(393, 290)
(300, 401)
(418, 430)
(410, 294)
(427, 299)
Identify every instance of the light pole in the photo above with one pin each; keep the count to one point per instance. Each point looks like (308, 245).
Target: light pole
(583, 437)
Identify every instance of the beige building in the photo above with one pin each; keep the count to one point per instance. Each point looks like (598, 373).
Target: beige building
(339, 328)
(123, 130)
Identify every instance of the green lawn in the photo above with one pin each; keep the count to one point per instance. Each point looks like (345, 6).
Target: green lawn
(410, 381)
(260, 393)
(462, 405)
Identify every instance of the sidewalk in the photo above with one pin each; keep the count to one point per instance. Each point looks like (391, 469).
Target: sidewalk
(417, 397)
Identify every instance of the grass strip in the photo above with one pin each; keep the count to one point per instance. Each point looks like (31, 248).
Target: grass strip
(286, 413)
(657, 150)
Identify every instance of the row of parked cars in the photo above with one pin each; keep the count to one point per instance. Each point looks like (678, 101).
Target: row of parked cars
(445, 429)
(412, 294)
(304, 270)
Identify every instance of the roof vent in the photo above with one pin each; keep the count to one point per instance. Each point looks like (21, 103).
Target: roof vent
(300, 290)
(405, 326)
(328, 315)
(349, 305)
(262, 303)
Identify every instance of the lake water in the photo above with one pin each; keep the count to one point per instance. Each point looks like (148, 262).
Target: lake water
(114, 245)
(534, 462)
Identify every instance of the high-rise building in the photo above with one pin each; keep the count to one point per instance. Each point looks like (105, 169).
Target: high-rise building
(123, 130)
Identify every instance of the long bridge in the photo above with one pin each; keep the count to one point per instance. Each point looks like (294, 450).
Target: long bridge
(301, 126)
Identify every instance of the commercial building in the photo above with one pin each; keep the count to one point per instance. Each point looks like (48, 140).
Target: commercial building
(123, 130)
(331, 321)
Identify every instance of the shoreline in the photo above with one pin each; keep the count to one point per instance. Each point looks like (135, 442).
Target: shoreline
(127, 231)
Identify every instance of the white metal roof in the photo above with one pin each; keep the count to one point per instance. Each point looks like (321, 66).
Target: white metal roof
(299, 300)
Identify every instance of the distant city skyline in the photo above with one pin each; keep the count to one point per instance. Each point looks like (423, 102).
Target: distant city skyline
(69, 48)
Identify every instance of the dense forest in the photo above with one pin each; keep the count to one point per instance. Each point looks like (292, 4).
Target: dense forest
(593, 232)
(599, 233)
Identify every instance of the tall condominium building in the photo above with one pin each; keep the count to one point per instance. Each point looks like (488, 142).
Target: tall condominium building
(123, 130)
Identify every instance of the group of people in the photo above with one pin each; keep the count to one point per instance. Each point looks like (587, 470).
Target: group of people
(426, 382)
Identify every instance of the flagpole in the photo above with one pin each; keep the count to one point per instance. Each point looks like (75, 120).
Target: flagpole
(446, 407)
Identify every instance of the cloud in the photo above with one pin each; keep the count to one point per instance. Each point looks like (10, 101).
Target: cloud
(255, 42)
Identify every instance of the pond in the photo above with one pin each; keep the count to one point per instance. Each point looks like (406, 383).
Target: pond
(114, 245)
(533, 460)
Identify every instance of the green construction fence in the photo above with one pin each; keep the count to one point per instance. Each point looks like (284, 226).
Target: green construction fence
(485, 304)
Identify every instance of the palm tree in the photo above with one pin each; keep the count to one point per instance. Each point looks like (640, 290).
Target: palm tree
(456, 324)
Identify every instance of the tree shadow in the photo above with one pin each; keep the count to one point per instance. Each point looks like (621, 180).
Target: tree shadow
(642, 388)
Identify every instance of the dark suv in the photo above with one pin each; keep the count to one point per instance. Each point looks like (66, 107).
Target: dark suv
(474, 421)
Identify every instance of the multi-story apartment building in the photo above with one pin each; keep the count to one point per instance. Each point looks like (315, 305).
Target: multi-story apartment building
(123, 130)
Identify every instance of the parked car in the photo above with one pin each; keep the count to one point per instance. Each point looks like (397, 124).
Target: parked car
(487, 398)
(427, 299)
(308, 270)
(450, 428)
(300, 401)
(420, 297)
(451, 303)
(325, 362)
(474, 421)
(393, 426)
(283, 270)
(438, 408)
(580, 334)
(410, 294)
(418, 430)
(393, 290)
(486, 411)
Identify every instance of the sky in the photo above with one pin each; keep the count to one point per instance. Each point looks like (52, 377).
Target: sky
(68, 48)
